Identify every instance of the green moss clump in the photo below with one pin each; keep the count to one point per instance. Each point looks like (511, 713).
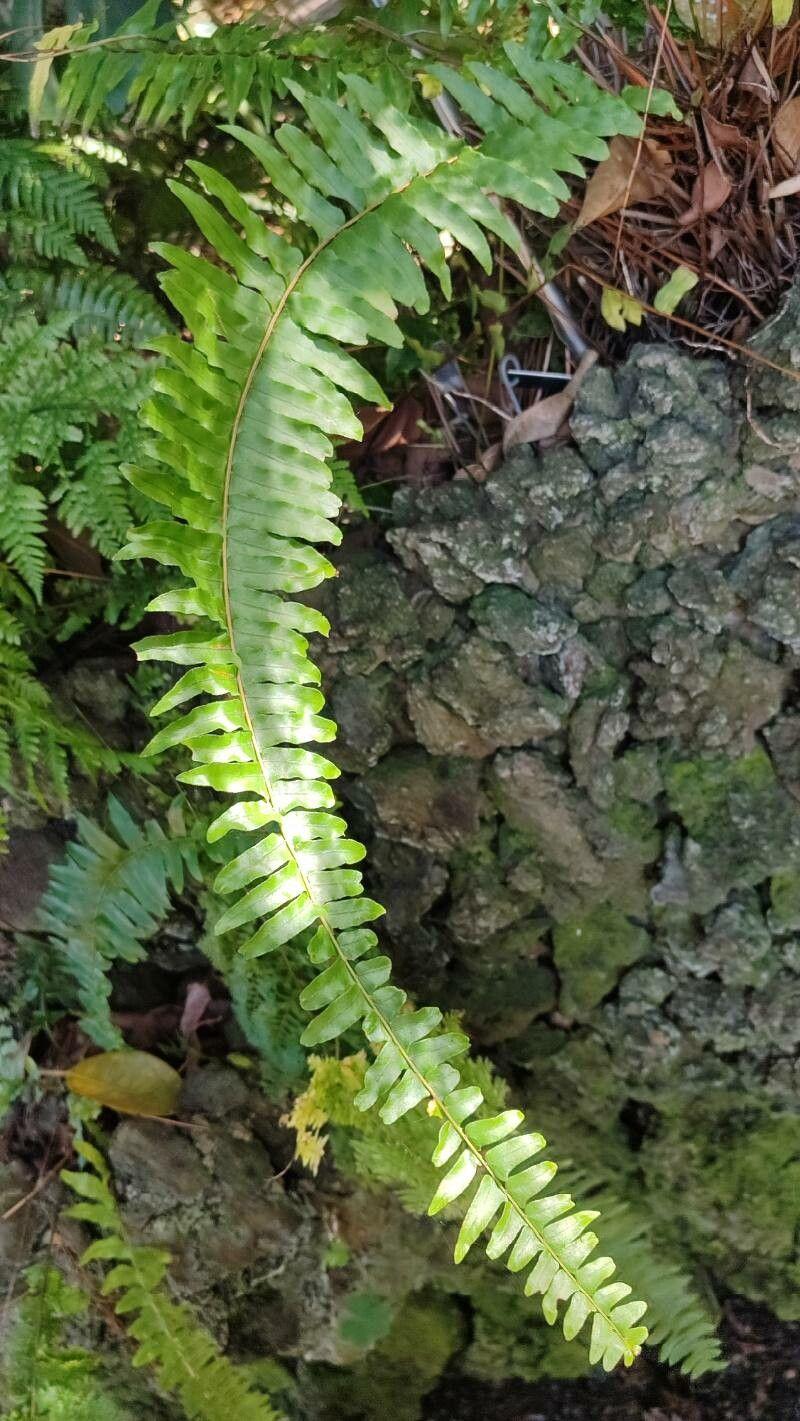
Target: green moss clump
(396, 1376)
(591, 951)
(734, 1187)
(700, 790)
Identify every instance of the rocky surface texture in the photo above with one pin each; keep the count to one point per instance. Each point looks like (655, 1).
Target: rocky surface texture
(569, 725)
(568, 706)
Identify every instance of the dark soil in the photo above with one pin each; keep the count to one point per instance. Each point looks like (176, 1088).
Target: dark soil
(760, 1384)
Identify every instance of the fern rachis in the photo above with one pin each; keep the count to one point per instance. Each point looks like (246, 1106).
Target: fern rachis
(244, 433)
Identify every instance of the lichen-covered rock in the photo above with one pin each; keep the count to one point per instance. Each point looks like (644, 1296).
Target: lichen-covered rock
(585, 808)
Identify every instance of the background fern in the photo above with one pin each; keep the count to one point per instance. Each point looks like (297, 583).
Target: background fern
(45, 207)
(113, 893)
(70, 386)
(107, 899)
(184, 1357)
(43, 1376)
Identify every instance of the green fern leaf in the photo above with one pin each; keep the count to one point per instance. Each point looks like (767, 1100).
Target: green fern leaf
(45, 206)
(46, 1378)
(98, 300)
(169, 1339)
(107, 899)
(245, 421)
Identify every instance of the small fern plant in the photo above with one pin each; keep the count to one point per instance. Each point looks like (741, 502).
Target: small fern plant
(45, 1379)
(70, 384)
(245, 419)
(107, 898)
(184, 1357)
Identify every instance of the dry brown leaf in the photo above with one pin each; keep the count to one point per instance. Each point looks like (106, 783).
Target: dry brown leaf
(711, 189)
(717, 238)
(132, 1082)
(786, 135)
(756, 77)
(717, 21)
(723, 135)
(198, 998)
(787, 188)
(543, 420)
(606, 189)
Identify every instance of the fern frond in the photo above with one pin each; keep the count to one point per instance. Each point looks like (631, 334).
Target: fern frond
(107, 899)
(98, 300)
(37, 741)
(245, 420)
(45, 1378)
(23, 514)
(169, 1339)
(682, 1323)
(45, 206)
(167, 76)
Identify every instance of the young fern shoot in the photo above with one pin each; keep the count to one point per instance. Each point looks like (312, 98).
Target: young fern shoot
(244, 424)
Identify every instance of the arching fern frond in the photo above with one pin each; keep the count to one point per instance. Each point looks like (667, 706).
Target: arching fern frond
(185, 1357)
(246, 419)
(107, 898)
(682, 1320)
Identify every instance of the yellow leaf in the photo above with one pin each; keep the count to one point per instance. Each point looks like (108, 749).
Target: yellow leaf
(782, 12)
(619, 310)
(430, 86)
(132, 1082)
(673, 291)
(58, 38)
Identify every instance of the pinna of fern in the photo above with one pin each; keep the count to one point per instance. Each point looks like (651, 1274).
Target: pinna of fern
(244, 423)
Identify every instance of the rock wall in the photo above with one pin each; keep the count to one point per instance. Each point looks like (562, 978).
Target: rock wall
(568, 709)
(570, 730)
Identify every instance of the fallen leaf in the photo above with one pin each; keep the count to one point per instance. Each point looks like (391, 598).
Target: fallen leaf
(198, 998)
(543, 420)
(132, 1082)
(781, 12)
(606, 189)
(786, 134)
(668, 297)
(787, 188)
(717, 21)
(723, 135)
(711, 189)
(717, 237)
(756, 77)
(619, 310)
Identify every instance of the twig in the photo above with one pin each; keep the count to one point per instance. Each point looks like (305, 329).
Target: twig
(640, 143)
(37, 1188)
